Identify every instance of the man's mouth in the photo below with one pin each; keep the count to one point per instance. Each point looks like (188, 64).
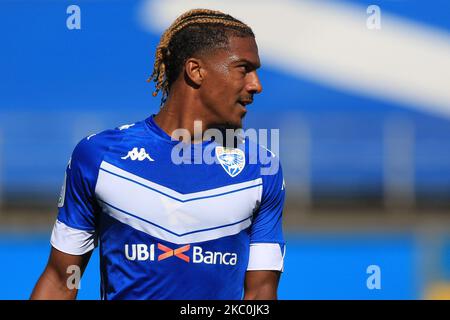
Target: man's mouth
(245, 102)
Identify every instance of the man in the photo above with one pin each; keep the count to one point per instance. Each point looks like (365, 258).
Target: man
(168, 230)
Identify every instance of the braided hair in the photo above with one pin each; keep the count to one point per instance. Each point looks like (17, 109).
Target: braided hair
(194, 32)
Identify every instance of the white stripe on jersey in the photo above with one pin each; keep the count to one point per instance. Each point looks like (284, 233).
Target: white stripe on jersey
(172, 216)
(72, 241)
(266, 256)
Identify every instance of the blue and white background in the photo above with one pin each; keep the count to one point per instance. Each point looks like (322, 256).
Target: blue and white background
(360, 91)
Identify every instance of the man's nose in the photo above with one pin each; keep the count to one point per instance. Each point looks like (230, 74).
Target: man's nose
(254, 85)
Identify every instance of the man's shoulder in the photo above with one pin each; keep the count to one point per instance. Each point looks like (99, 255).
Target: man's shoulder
(264, 159)
(91, 149)
(255, 149)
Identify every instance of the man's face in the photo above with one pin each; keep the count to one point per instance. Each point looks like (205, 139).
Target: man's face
(231, 81)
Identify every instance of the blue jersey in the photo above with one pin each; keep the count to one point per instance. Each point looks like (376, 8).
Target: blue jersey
(169, 230)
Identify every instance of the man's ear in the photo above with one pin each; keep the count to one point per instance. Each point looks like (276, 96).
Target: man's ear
(195, 71)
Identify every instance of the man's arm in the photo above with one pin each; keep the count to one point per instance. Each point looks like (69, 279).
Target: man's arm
(261, 285)
(52, 285)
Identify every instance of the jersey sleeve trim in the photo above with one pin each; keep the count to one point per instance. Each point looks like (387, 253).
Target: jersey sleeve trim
(72, 241)
(266, 256)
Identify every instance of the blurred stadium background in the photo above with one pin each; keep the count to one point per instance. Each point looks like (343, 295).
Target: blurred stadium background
(364, 119)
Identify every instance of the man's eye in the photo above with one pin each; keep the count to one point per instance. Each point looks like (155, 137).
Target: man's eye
(244, 68)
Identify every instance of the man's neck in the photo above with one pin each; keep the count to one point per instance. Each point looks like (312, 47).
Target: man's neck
(180, 113)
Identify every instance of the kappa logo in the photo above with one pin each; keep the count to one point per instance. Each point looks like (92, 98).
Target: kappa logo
(140, 155)
(232, 160)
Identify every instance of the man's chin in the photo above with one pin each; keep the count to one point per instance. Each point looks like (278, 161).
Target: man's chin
(229, 126)
(235, 125)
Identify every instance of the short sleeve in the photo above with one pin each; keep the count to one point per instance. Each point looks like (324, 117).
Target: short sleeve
(267, 245)
(74, 231)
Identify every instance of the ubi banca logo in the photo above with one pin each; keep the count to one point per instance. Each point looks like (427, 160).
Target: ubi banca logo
(143, 252)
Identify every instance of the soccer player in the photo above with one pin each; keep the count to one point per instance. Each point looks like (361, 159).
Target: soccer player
(169, 230)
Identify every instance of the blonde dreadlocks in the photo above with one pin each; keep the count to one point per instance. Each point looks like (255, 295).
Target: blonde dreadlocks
(193, 32)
